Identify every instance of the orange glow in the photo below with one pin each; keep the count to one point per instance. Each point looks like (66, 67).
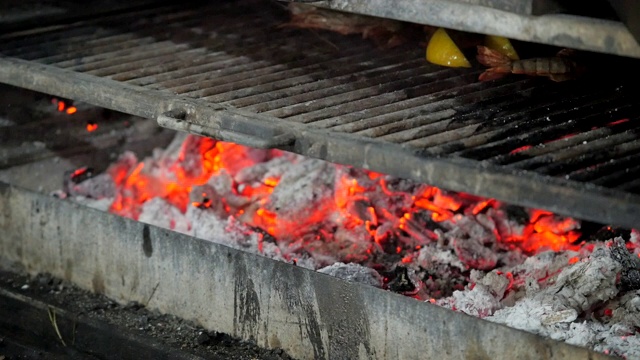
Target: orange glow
(91, 127)
(477, 209)
(393, 220)
(574, 260)
(72, 110)
(546, 231)
(61, 106)
(568, 136)
(271, 182)
(521, 148)
(617, 122)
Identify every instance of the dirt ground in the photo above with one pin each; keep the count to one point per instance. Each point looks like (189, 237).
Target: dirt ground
(175, 333)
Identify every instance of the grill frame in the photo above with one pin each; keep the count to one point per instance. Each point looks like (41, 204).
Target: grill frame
(225, 122)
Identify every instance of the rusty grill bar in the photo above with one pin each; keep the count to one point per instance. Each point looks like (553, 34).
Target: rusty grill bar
(228, 71)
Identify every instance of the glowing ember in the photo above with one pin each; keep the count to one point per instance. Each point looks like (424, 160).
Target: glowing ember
(71, 110)
(92, 126)
(394, 216)
(521, 148)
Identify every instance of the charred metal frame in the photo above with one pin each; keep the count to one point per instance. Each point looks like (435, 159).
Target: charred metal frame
(512, 19)
(277, 305)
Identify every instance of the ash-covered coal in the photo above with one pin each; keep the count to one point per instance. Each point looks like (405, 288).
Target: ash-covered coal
(527, 268)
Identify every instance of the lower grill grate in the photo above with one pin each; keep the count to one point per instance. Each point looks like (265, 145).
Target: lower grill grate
(227, 70)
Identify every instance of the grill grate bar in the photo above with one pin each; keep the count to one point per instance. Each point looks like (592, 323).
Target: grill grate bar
(343, 79)
(348, 101)
(547, 125)
(566, 142)
(591, 152)
(193, 81)
(69, 38)
(218, 85)
(621, 177)
(174, 65)
(407, 100)
(599, 174)
(397, 130)
(477, 134)
(282, 83)
(563, 151)
(632, 186)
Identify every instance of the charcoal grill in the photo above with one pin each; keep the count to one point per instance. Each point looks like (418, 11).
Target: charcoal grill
(226, 70)
(211, 68)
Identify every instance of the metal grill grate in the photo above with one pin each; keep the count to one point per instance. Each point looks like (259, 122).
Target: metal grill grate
(227, 70)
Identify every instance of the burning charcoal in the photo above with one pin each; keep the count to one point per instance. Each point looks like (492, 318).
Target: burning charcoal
(630, 279)
(80, 175)
(627, 309)
(273, 168)
(431, 256)
(608, 232)
(353, 272)
(205, 197)
(516, 213)
(479, 301)
(400, 282)
(576, 289)
(160, 213)
(98, 187)
(303, 195)
(474, 254)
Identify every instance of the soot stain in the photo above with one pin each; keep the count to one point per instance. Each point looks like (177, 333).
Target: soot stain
(147, 247)
(98, 283)
(246, 304)
(344, 317)
(290, 285)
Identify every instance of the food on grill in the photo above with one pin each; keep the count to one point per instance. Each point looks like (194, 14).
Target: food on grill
(385, 32)
(557, 68)
(502, 45)
(441, 50)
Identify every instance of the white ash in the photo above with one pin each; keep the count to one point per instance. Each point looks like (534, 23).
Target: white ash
(97, 187)
(160, 213)
(99, 204)
(274, 168)
(483, 299)
(354, 273)
(552, 311)
(301, 190)
(433, 256)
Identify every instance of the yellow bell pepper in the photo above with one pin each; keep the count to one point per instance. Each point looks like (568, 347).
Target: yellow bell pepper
(501, 45)
(441, 50)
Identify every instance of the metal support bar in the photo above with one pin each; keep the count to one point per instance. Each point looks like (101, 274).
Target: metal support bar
(576, 32)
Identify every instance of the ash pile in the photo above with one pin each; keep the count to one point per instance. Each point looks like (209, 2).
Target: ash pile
(526, 268)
